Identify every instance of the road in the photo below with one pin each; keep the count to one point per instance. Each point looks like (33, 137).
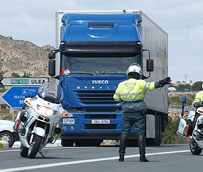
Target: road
(165, 158)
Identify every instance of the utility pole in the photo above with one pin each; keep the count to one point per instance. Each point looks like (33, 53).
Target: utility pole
(185, 78)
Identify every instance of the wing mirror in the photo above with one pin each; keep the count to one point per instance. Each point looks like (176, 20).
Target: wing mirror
(51, 64)
(51, 55)
(150, 65)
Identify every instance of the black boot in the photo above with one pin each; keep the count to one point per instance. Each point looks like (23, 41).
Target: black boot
(141, 144)
(123, 144)
(121, 157)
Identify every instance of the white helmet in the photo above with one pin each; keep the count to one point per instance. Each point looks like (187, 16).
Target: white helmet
(134, 68)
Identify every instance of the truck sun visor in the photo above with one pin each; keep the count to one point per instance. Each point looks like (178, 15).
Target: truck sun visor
(92, 49)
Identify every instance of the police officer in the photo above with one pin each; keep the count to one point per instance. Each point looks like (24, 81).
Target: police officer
(197, 103)
(198, 99)
(132, 93)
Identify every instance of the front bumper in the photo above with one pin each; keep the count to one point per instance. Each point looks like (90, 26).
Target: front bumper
(107, 136)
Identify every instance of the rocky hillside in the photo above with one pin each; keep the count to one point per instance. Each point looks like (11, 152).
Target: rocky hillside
(23, 58)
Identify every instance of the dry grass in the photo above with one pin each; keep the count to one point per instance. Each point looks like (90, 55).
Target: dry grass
(7, 116)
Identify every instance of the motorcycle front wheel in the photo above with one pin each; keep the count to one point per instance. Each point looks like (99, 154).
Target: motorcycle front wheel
(34, 146)
(23, 151)
(195, 150)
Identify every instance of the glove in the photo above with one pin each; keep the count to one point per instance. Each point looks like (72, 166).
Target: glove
(164, 81)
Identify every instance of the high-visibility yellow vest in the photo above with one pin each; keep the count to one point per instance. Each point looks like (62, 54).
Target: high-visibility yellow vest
(133, 90)
(198, 98)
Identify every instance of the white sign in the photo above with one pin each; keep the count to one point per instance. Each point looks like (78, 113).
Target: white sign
(24, 81)
(187, 109)
(100, 121)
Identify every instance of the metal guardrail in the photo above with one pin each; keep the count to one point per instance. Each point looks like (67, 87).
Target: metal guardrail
(176, 108)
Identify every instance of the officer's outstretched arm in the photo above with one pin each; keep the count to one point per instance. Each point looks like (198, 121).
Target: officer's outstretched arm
(163, 82)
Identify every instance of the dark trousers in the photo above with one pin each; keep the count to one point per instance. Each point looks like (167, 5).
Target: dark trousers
(129, 119)
(137, 118)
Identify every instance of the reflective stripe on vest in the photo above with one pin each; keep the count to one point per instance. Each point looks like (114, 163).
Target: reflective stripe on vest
(198, 98)
(133, 90)
(130, 94)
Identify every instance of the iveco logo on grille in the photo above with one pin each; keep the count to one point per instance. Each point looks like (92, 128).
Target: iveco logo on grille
(100, 81)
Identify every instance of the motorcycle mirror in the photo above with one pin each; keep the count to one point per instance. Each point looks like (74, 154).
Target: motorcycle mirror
(184, 100)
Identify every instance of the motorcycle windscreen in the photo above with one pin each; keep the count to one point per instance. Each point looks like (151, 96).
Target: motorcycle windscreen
(181, 127)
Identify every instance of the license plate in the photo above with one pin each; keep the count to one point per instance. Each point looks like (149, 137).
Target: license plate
(100, 121)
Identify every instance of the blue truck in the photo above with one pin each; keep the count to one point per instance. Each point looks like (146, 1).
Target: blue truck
(93, 52)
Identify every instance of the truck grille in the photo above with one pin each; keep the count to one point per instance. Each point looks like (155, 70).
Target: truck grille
(100, 116)
(92, 109)
(100, 126)
(96, 96)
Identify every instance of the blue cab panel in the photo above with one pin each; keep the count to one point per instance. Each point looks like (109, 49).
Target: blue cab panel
(100, 27)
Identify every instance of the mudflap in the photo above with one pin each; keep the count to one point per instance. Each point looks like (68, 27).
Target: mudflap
(181, 128)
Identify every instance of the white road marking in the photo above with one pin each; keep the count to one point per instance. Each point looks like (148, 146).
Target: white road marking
(84, 161)
(12, 150)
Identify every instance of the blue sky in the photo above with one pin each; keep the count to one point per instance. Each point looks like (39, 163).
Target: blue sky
(34, 20)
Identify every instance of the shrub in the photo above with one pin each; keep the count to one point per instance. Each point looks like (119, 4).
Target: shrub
(170, 136)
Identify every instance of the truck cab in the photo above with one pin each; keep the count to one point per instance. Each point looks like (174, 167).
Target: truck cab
(94, 52)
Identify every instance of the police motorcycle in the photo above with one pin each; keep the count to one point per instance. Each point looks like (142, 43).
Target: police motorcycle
(184, 129)
(38, 124)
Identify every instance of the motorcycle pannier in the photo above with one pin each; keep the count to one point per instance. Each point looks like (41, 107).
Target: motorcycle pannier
(182, 127)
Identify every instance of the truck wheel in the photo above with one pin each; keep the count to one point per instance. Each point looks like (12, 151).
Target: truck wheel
(132, 143)
(67, 142)
(195, 150)
(158, 130)
(88, 142)
(34, 146)
(23, 151)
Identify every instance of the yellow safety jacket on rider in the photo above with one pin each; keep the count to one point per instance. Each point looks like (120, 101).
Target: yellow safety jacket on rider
(198, 98)
(133, 90)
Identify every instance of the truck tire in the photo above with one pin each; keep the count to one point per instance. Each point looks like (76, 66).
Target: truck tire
(158, 130)
(88, 142)
(132, 143)
(67, 142)
(34, 146)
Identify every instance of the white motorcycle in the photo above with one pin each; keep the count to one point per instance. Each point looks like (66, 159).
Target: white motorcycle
(196, 136)
(38, 124)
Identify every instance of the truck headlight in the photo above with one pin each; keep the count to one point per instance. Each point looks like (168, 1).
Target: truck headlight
(69, 120)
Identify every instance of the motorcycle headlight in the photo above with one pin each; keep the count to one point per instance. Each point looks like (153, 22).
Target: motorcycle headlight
(69, 120)
(45, 111)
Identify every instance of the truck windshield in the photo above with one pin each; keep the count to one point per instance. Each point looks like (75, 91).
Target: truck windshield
(96, 66)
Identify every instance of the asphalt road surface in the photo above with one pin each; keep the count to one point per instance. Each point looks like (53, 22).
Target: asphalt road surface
(165, 158)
